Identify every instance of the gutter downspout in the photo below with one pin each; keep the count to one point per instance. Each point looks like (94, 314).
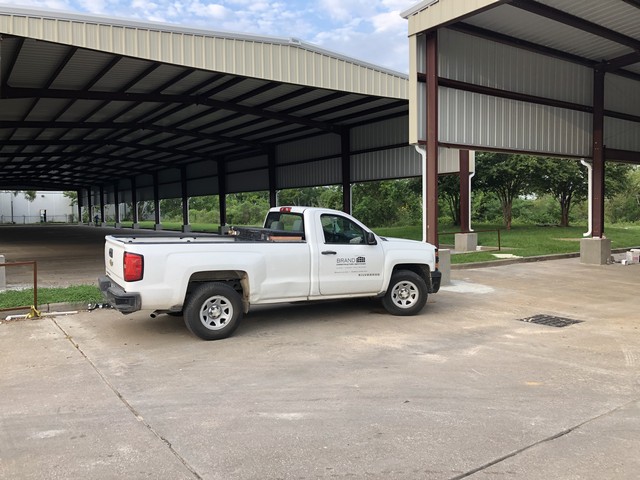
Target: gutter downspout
(473, 174)
(590, 206)
(423, 153)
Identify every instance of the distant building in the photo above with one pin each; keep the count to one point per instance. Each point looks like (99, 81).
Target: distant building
(46, 207)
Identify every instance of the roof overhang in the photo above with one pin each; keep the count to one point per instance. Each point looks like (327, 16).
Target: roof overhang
(87, 101)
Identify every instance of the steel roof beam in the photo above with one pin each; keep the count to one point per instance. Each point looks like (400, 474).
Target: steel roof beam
(18, 92)
(576, 22)
(534, 47)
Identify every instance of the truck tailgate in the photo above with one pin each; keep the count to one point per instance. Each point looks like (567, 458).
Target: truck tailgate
(113, 256)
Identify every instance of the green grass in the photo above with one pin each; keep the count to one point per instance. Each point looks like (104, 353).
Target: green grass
(76, 293)
(521, 240)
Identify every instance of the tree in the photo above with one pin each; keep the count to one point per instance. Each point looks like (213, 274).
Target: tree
(449, 193)
(30, 195)
(508, 176)
(72, 196)
(565, 180)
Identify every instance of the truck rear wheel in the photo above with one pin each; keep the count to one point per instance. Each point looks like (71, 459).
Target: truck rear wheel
(213, 311)
(406, 295)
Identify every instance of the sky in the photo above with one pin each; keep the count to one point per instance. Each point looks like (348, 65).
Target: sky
(369, 30)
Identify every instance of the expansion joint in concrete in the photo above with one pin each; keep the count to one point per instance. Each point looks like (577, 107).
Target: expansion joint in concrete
(130, 407)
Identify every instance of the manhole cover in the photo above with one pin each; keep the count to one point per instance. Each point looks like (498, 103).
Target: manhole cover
(550, 320)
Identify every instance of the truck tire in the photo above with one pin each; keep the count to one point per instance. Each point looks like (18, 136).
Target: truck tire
(406, 295)
(213, 311)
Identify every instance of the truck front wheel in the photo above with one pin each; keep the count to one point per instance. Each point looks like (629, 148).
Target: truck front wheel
(213, 311)
(406, 295)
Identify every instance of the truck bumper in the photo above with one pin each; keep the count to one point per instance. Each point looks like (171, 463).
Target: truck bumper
(436, 277)
(116, 296)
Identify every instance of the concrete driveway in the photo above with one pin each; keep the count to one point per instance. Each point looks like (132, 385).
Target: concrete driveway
(340, 389)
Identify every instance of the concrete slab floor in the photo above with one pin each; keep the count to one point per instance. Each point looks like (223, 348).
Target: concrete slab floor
(340, 389)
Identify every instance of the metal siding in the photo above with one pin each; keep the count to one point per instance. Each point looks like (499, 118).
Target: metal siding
(622, 135)
(480, 120)
(622, 95)
(168, 175)
(309, 148)
(380, 134)
(252, 163)
(323, 172)
(167, 190)
(491, 64)
(528, 26)
(238, 55)
(145, 194)
(202, 169)
(395, 163)
(199, 187)
(248, 181)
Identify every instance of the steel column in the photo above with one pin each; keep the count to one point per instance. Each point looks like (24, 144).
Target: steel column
(597, 205)
(89, 205)
(185, 196)
(465, 198)
(134, 202)
(431, 215)
(116, 200)
(273, 187)
(222, 191)
(79, 197)
(156, 200)
(345, 154)
(101, 204)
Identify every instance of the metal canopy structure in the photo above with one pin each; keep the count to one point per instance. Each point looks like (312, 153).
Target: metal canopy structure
(124, 111)
(550, 77)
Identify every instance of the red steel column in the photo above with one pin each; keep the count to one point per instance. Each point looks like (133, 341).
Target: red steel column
(432, 138)
(465, 200)
(597, 205)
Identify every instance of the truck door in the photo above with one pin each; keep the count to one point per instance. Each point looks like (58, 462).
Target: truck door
(346, 264)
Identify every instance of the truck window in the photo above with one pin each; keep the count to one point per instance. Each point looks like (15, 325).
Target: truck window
(285, 221)
(341, 230)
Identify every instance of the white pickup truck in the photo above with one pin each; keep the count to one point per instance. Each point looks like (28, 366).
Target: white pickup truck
(301, 254)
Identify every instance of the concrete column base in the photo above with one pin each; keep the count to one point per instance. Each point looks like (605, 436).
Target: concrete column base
(3, 274)
(157, 226)
(186, 228)
(135, 225)
(466, 242)
(117, 225)
(595, 251)
(445, 266)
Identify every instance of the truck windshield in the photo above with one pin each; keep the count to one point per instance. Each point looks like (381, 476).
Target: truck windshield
(285, 221)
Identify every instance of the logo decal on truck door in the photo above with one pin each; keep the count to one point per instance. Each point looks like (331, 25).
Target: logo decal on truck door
(351, 261)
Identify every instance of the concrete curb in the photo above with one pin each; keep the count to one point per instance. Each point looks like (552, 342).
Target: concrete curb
(540, 258)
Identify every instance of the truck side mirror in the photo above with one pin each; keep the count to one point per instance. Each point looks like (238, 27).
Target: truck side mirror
(371, 239)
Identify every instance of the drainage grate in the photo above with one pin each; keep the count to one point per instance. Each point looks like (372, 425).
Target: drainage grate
(550, 320)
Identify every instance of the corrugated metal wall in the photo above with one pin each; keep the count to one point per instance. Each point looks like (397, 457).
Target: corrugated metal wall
(395, 163)
(482, 62)
(322, 172)
(622, 134)
(485, 121)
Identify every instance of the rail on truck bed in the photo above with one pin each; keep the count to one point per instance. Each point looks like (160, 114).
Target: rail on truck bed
(265, 234)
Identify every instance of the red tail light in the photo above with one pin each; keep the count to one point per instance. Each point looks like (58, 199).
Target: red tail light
(133, 267)
(437, 260)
